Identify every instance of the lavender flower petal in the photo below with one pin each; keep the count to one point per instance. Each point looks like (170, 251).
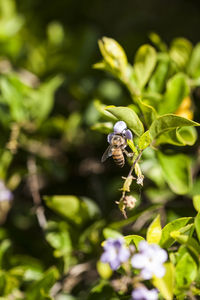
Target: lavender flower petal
(143, 293)
(109, 137)
(150, 260)
(119, 127)
(128, 134)
(123, 254)
(159, 271)
(115, 253)
(138, 261)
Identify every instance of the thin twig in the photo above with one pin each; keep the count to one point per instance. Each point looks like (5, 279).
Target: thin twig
(126, 186)
(134, 163)
(34, 188)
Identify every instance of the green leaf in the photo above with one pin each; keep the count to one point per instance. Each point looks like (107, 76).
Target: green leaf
(179, 137)
(12, 90)
(154, 231)
(158, 42)
(176, 171)
(194, 63)
(30, 268)
(113, 54)
(196, 202)
(59, 238)
(177, 90)
(75, 209)
(111, 233)
(159, 77)
(166, 240)
(8, 283)
(144, 140)
(148, 112)
(4, 247)
(42, 286)
(104, 270)
(43, 98)
(188, 241)
(144, 64)
(127, 115)
(186, 271)
(197, 225)
(180, 52)
(133, 239)
(187, 135)
(166, 284)
(168, 122)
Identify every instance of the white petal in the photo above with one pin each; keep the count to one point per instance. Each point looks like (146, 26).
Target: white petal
(143, 246)
(159, 271)
(138, 261)
(119, 127)
(146, 274)
(161, 255)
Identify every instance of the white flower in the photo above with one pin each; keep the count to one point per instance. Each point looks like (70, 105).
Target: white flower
(120, 128)
(150, 260)
(115, 253)
(142, 293)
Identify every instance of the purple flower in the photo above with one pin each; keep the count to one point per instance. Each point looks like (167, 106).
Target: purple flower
(141, 293)
(115, 253)
(5, 193)
(150, 260)
(120, 128)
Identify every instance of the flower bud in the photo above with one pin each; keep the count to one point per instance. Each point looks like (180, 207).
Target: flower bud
(129, 202)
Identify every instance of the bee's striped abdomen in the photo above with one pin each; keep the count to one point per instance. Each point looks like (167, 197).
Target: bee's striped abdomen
(118, 157)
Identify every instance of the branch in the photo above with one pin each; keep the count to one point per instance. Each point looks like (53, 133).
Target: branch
(34, 188)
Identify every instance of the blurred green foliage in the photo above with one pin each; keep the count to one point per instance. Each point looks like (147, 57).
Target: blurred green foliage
(54, 113)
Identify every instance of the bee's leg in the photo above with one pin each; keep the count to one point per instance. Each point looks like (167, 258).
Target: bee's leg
(128, 154)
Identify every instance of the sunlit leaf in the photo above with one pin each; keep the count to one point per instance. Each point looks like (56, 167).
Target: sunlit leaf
(196, 202)
(197, 225)
(144, 64)
(127, 115)
(180, 52)
(104, 270)
(166, 284)
(133, 239)
(154, 231)
(166, 240)
(179, 137)
(188, 241)
(144, 140)
(148, 112)
(42, 286)
(186, 271)
(73, 208)
(169, 122)
(194, 63)
(157, 81)
(177, 90)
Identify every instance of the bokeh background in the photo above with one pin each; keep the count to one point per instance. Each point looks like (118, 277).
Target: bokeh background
(53, 45)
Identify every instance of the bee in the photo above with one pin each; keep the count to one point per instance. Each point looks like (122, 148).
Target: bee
(116, 149)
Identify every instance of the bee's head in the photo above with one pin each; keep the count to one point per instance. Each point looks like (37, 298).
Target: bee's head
(118, 140)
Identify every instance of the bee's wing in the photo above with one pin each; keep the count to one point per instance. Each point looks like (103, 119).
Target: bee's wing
(107, 153)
